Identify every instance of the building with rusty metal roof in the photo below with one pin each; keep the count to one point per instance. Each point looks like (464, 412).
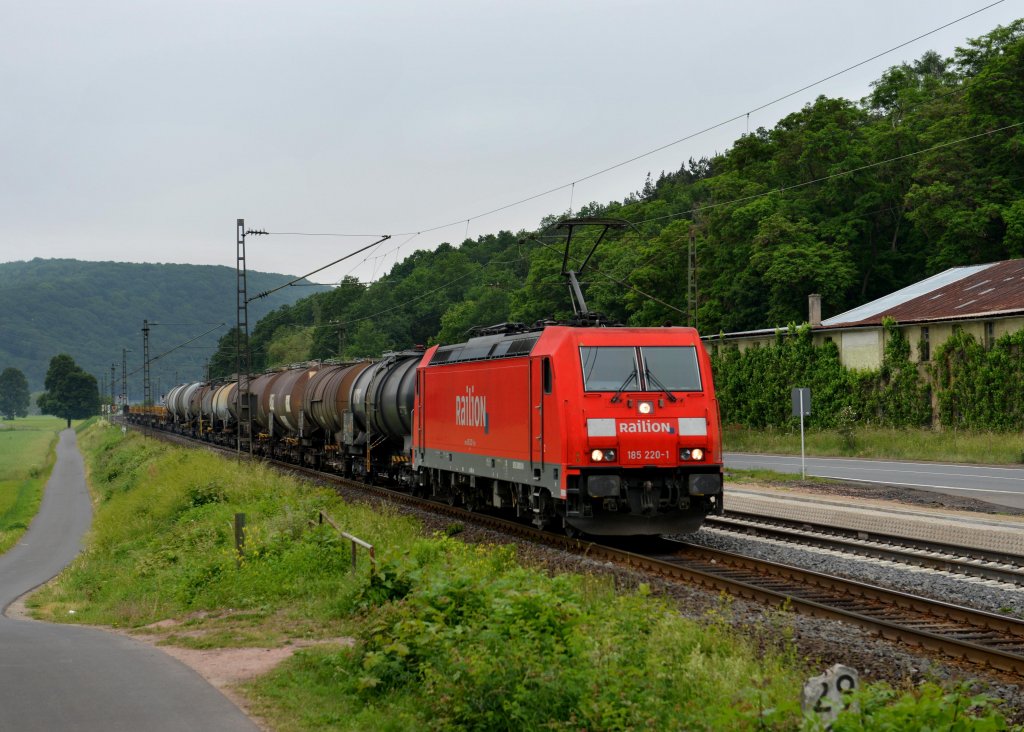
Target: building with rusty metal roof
(986, 300)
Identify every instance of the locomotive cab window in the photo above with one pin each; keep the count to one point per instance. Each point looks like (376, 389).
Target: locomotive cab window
(548, 376)
(662, 368)
(609, 368)
(673, 368)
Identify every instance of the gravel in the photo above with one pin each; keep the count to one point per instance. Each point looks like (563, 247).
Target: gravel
(821, 643)
(995, 597)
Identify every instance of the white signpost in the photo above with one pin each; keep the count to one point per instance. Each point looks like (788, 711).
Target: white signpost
(801, 408)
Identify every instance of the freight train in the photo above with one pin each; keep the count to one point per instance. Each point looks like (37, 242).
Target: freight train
(596, 430)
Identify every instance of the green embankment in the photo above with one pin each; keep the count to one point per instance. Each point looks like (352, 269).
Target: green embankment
(445, 635)
(26, 456)
(882, 443)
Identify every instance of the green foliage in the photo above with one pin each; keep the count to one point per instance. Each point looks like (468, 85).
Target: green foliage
(496, 646)
(201, 494)
(444, 636)
(846, 426)
(290, 346)
(898, 395)
(885, 443)
(94, 309)
(979, 388)
(26, 456)
(754, 386)
(14, 396)
(931, 707)
(775, 218)
(70, 392)
(792, 261)
(162, 540)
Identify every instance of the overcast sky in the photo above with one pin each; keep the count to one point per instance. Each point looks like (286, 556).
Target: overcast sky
(140, 131)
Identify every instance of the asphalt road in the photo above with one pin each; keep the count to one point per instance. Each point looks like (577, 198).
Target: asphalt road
(1003, 486)
(57, 677)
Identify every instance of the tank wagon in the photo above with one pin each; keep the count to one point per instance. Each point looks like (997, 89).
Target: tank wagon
(600, 431)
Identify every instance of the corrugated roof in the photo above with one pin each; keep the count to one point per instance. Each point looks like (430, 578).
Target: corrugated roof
(983, 290)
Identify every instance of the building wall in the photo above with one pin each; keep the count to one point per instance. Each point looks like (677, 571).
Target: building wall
(983, 331)
(863, 348)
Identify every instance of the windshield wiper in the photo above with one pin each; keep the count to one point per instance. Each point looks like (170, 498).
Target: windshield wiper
(618, 392)
(651, 379)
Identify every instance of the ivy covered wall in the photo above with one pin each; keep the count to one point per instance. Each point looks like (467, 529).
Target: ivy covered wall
(974, 387)
(980, 388)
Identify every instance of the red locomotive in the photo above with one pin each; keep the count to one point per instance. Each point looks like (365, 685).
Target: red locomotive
(603, 430)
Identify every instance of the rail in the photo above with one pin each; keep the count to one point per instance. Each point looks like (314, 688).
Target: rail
(959, 632)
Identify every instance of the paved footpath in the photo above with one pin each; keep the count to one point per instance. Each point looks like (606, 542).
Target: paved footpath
(67, 678)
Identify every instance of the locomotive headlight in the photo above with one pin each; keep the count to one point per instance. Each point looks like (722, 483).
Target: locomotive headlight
(597, 456)
(697, 454)
(645, 407)
(684, 454)
(602, 456)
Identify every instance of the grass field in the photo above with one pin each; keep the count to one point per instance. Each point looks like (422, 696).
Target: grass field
(444, 635)
(26, 456)
(953, 446)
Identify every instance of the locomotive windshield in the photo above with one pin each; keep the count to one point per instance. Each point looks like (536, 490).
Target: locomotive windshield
(608, 368)
(674, 367)
(614, 368)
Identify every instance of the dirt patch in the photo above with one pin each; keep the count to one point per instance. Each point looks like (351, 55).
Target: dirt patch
(226, 668)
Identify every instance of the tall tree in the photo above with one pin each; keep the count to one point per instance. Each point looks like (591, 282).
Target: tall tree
(71, 393)
(14, 396)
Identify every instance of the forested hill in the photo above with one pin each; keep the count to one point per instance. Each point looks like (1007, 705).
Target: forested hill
(849, 199)
(91, 310)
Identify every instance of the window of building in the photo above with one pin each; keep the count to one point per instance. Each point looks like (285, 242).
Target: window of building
(924, 348)
(990, 334)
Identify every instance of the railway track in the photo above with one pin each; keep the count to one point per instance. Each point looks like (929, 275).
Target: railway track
(980, 637)
(962, 560)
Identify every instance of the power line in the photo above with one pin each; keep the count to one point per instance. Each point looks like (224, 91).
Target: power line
(175, 348)
(784, 189)
(572, 184)
(745, 199)
(622, 283)
(693, 210)
(383, 239)
(685, 138)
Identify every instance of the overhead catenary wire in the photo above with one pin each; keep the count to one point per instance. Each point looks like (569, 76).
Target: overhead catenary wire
(685, 138)
(692, 210)
(697, 209)
(622, 283)
(746, 199)
(271, 320)
(383, 239)
(572, 184)
(177, 347)
(151, 324)
(840, 174)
